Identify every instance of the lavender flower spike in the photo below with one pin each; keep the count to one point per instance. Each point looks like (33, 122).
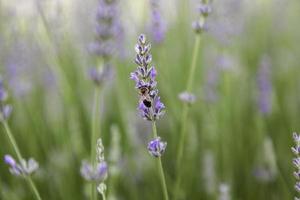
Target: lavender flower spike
(25, 168)
(158, 27)
(108, 31)
(5, 109)
(156, 147)
(151, 108)
(96, 173)
(204, 10)
(296, 161)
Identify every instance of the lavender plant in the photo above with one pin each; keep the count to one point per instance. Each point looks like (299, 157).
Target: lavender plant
(96, 173)
(107, 30)
(158, 26)
(296, 162)
(23, 168)
(150, 107)
(198, 26)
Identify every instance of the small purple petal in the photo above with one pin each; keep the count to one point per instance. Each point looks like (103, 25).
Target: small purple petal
(156, 147)
(8, 159)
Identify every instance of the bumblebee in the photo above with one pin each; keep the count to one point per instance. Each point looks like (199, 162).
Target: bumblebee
(145, 97)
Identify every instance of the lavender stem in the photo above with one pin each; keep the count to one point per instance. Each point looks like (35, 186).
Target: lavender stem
(184, 116)
(160, 167)
(103, 196)
(20, 158)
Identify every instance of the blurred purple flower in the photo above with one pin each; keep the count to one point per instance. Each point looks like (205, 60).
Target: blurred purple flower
(100, 75)
(187, 97)
(108, 29)
(158, 26)
(150, 106)
(97, 173)
(25, 168)
(204, 10)
(156, 147)
(264, 86)
(5, 109)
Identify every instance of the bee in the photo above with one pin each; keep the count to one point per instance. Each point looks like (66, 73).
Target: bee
(145, 97)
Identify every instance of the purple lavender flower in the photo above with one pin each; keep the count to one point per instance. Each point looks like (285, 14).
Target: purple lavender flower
(204, 10)
(296, 161)
(97, 173)
(187, 97)
(150, 106)
(100, 75)
(107, 29)
(25, 168)
(5, 109)
(158, 27)
(156, 147)
(264, 86)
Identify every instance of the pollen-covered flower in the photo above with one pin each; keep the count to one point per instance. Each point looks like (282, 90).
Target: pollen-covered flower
(156, 147)
(150, 106)
(24, 168)
(5, 109)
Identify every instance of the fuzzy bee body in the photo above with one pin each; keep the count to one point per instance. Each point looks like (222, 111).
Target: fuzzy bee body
(145, 97)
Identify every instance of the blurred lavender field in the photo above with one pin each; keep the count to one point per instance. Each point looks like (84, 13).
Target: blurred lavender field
(223, 99)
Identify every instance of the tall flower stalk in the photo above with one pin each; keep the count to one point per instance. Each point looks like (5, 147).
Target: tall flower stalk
(198, 26)
(107, 29)
(24, 168)
(150, 106)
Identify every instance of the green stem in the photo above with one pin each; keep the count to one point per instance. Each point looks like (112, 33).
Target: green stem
(186, 106)
(20, 158)
(33, 187)
(160, 167)
(103, 196)
(13, 141)
(94, 135)
(184, 116)
(194, 63)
